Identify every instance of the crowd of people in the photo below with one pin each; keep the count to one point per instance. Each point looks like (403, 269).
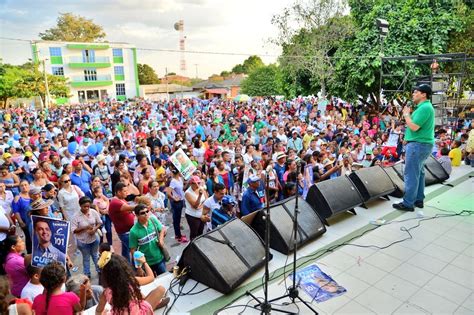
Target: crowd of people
(106, 168)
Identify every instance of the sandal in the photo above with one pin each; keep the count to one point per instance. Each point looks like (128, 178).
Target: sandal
(183, 239)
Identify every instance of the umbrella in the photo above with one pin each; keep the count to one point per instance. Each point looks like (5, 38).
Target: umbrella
(242, 98)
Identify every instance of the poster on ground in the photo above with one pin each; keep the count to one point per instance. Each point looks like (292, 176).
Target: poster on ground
(50, 240)
(183, 163)
(318, 285)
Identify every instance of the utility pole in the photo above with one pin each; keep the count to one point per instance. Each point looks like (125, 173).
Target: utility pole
(46, 97)
(166, 77)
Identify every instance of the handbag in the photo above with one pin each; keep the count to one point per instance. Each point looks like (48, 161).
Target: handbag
(164, 249)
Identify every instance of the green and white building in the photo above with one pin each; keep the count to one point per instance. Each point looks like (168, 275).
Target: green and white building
(94, 71)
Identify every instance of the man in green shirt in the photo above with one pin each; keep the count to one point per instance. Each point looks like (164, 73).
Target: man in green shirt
(147, 235)
(419, 135)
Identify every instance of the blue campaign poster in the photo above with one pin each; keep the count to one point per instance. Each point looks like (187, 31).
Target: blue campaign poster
(318, 285)
(50, 240)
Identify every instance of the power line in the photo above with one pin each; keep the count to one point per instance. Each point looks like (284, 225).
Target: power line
(204, 52)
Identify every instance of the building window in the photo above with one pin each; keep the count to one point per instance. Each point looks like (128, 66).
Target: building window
(58, 71)
(55, 51)
(118, 70)
(120, 89)
(117, 52)
(88, 55)
(90, 75)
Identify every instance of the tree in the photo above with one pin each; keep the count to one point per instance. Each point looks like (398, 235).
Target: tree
(57, 85)
(147, 75)
(263, 81)
(251, 63)
(13, 83)
(309, 34)
(416, 27)
(225, 73)
(74, 28)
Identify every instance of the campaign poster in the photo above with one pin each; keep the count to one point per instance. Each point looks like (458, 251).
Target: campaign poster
(183, 163)
(318, 285)
(50, 240)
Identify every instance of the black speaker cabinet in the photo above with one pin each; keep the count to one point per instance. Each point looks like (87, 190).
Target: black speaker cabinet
(310, 225)
(372, 182)
(331, 197)
(225, 257)
(397, 181)
(434, 172)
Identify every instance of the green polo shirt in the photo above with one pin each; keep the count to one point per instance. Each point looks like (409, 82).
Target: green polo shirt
(144, 239)
(423, 116)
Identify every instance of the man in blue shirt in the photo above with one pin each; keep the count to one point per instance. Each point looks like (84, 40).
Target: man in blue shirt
(251, 200)
(81, 178)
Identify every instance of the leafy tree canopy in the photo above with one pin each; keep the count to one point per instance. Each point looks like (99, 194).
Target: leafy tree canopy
(74, 28)
(147, 75)
(263, 81)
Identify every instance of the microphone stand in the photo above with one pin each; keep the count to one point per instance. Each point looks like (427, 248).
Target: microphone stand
(293, 292)
(265, 307)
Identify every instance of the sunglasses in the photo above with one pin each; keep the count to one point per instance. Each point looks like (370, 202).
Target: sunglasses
(66, 181)
(144, 213)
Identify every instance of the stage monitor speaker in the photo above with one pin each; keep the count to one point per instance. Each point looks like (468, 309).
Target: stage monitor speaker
(397, 181)
(434, 172)
(310, 225)
(372, 182)
(331, 197)
(225, 257)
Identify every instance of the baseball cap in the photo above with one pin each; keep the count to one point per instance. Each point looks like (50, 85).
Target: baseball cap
(7, 155)
(253, 179)
(76, 163)
(100, 157)
(34, 191)
(195, 180)
(424, 88)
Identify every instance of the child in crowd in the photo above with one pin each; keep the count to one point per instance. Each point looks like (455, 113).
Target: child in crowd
(53, 277)
(445, 160)
(456, 154)
(33, 288)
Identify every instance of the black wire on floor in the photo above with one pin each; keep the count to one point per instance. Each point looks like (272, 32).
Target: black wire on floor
(323, 252)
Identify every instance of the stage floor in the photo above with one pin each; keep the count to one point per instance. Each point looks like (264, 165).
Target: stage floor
(430, 273)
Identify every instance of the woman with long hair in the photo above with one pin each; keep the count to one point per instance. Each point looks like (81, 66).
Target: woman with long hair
(143, 183)
(122, 288)
(194, 198)
(68, 197)
(175, 193)
(13, 263)
(10, 180)
(53, 277)
(157, 200)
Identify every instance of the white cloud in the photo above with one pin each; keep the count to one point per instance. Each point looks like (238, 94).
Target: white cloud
(240, 26)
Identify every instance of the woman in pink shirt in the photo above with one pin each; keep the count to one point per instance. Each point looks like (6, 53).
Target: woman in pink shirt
(52, 278)
(14, 264)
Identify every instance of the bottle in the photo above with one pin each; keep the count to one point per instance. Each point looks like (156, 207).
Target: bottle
(136, 256)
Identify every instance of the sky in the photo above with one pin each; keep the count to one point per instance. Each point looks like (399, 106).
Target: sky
(236, 26)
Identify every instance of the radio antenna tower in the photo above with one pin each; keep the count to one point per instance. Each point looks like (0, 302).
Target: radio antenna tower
(179, 26)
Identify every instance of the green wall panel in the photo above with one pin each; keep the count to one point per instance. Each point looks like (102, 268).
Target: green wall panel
(87, 46)
(90, 83)
(118, 59)
(119, 77)
(57, 60)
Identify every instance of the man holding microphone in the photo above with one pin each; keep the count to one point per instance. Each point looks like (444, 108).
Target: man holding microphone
(419, 136)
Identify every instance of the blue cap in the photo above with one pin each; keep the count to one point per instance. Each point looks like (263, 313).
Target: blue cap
(253, 179)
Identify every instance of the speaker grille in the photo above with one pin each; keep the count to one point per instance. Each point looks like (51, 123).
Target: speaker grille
(372, 182)
(333, 196)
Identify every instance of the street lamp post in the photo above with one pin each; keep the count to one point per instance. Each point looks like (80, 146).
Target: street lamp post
(46, 97)
(382, 25)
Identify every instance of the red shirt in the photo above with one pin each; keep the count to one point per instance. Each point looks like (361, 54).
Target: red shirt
(122, 220)
(58, 304)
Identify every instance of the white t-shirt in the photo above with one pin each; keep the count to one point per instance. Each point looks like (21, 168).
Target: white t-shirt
(190, 210)
(30, 291)
(212, 204)
(4, 223)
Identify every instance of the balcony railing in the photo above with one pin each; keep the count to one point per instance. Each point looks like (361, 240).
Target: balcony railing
(91, 80)
(97, 59)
